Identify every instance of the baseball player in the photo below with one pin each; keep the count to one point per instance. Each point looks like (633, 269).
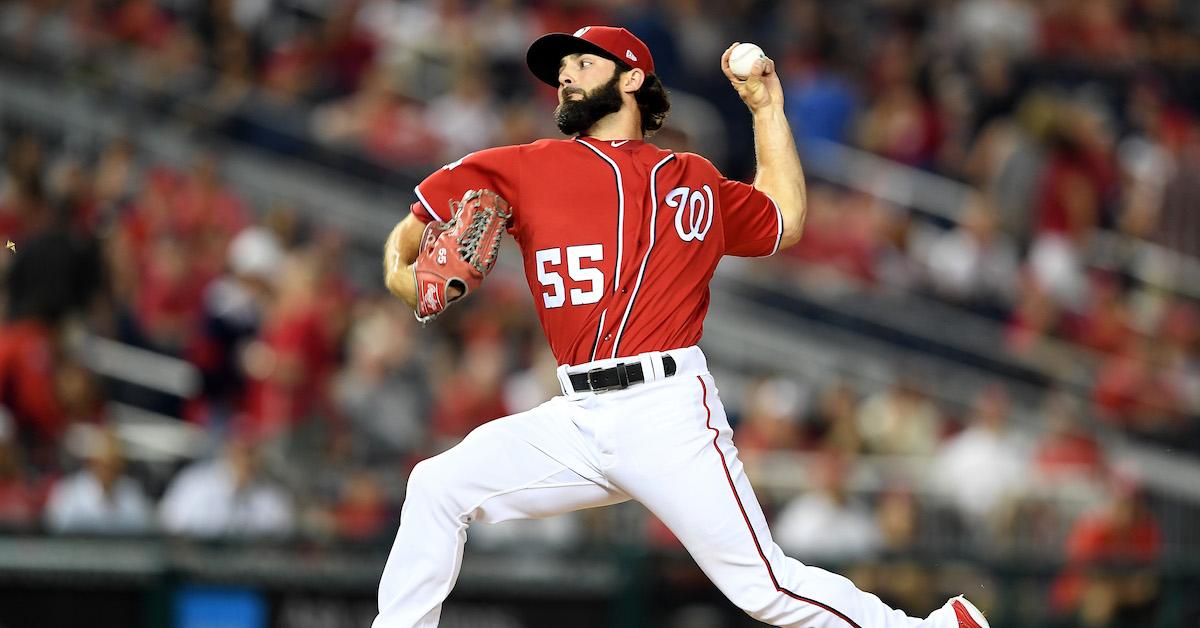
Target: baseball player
(620, 240)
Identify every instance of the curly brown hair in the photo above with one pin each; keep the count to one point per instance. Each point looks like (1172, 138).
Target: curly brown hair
(653, 102)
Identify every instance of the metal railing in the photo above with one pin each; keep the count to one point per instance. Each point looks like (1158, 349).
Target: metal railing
(146, 581)
(940, 196)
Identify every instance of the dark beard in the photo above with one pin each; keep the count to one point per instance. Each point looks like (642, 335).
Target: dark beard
(577, 116)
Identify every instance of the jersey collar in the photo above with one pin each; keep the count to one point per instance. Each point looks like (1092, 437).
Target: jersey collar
(625, 144)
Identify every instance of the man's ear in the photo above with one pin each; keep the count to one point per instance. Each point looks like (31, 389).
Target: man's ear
(633, 80)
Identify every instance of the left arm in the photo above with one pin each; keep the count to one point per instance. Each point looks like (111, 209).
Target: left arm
(779, 175)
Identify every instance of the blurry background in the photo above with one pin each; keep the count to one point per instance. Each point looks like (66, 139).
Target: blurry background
(979, 372)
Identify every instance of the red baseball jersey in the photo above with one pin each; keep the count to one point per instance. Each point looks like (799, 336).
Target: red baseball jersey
(619, 238)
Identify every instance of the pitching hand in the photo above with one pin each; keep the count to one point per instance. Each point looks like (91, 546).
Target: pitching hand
(759, 90)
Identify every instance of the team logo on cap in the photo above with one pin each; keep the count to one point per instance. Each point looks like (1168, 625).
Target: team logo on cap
(629, 53)
(580, 32)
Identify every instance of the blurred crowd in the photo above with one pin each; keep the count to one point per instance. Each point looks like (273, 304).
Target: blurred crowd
(317, 396)
(1067, 120)
(951, 479)
(300, 372)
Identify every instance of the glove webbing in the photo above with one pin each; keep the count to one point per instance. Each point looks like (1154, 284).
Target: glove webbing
(472, 236)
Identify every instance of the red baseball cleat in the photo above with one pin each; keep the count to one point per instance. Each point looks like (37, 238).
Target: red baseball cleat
(968, 616)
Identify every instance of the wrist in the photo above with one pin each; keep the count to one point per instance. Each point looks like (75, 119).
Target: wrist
(402, 283)
(770, 111)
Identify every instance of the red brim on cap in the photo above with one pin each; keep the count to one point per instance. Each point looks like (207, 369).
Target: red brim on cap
(546, 52)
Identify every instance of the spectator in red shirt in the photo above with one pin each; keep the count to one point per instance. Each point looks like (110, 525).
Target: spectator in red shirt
(288, 366)
(346, 49)
(1134, 391)
(207, 214)
(51, 276)
(1080, 177)
(289, 73)
(140, 22)
(378, 119)
(361, 513)
(1105, 325)
(842, 234)
(28, 359)
(474, 392)
(1094, 31)
(169, 297)
(901, 123)
(20, 499)
(24, 211)
(1110, 578)
(150, 215)
(1078, 184)
(1067, 452)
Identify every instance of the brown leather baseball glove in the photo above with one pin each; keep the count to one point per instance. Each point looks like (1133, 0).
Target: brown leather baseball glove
(460, 252)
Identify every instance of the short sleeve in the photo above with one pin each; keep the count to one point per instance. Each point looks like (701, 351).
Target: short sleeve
(494, 169)
(753, 223)
(421, 213)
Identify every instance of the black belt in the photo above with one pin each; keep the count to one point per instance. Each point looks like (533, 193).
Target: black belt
(617, 377)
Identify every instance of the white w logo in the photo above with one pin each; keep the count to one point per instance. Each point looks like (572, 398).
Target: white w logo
(699, 212)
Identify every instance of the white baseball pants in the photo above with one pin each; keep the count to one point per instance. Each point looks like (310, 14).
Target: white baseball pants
(665, 443)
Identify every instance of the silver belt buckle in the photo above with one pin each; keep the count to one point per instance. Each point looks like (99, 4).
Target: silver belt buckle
(591, 384)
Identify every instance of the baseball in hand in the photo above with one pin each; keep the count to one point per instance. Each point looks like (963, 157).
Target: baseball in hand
(742, 58)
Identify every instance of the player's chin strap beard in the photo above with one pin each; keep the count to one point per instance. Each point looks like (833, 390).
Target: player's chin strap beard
(576, 116)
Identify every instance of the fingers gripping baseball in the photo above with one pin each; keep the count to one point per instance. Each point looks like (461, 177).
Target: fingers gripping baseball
(758, 88)
(455, 256)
